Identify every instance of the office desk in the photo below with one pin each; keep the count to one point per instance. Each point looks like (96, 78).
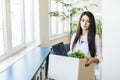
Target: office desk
(26, 67)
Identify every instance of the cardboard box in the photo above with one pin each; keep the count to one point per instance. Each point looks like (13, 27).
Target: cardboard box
(68, 68)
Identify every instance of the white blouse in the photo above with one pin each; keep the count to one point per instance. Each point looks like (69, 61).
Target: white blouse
(82, 45)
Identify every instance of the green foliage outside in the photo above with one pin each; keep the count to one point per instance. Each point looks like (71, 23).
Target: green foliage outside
(73, 12)
(99, 27)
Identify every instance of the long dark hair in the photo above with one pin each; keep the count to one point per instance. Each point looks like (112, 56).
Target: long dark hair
(91, 33)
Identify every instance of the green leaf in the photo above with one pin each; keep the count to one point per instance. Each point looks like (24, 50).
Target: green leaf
(65, 4)
(78, 54)
(56, 13)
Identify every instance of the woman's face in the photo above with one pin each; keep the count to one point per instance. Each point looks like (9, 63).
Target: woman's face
(85, 22)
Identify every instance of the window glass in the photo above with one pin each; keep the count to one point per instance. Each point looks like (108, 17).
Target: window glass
(53, 19)
(58, 26)
(1, 31)
(60, 22)
(28, 20)
(16, 22)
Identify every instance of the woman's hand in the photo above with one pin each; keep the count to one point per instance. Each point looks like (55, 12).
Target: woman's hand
(91, 60)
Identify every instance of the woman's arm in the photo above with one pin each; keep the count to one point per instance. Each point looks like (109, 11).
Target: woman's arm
(71, 43)
(98, 57)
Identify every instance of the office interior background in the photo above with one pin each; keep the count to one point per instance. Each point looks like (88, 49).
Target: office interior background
(25, 24)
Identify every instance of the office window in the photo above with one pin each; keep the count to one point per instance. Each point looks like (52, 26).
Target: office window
(58, 27)
(1, 31)
(53, 19)
(19, 25)
(66, 22)
(37, 21)
(16, 22)
(29, 20)
(60, 22)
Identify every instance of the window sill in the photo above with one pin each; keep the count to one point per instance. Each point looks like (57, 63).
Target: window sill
(58, 36)
(14, 58)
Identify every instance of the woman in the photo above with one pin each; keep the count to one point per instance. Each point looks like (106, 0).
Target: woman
(86, 39)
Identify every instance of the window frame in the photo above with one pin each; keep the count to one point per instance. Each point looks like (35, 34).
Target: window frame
(57, 35)
(9, 50)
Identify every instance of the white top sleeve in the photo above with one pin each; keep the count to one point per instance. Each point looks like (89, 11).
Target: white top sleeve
(98, 43)
(71, 43)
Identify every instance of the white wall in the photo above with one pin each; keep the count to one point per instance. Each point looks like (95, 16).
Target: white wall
(111, 40)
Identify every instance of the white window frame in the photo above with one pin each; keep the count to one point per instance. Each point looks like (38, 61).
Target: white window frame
(9, 51)
(57, 35)
(22, 45)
